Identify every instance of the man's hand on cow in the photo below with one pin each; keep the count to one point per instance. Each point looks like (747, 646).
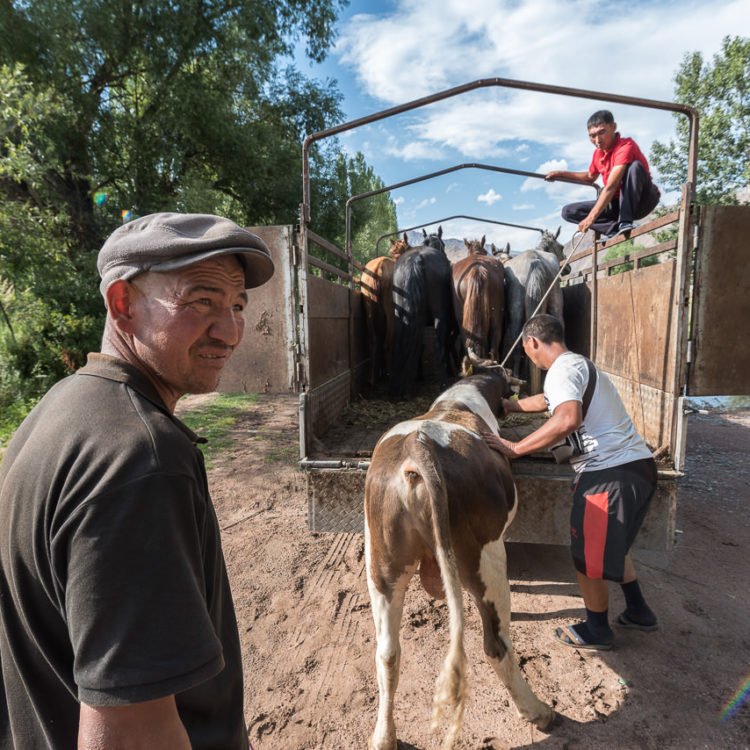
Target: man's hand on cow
(500, 445)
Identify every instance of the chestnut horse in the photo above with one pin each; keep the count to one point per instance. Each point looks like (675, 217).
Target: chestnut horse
(479, 301)
(376, 286)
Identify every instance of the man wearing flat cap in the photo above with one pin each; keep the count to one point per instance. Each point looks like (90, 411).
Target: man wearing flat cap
(117, 623)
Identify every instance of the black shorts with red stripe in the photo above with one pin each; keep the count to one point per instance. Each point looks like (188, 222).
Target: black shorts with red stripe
(608, 509)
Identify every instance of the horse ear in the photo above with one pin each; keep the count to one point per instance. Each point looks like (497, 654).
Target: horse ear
(507, 247)
(466, 242)
(424, 234)
(440, 232)
(483, 239)
(393, 240)
(557, 233)
(405, 240)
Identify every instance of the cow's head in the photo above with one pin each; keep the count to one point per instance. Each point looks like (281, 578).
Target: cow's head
(490, 372)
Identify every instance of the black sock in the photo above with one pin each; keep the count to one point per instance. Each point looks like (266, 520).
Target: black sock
(596, 628)
(636, 608)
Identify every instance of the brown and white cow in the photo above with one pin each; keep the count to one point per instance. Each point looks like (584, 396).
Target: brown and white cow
(439, 499)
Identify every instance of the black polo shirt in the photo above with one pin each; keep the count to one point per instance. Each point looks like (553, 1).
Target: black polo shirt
(113, 588)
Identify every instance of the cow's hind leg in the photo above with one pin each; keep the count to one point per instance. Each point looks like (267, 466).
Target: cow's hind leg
(387, 608)
(494, 607)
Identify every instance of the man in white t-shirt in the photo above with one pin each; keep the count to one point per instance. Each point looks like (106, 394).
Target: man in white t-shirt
(615, 479)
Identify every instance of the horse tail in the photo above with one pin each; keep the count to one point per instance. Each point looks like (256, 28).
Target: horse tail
(476, 312)
(451, 686)
(409, 299)
(537, 282)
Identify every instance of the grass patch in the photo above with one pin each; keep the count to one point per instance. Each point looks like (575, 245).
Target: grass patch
(215, 419)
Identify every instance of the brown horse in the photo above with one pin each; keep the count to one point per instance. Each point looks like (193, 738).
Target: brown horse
(479, 301)
(376, 286)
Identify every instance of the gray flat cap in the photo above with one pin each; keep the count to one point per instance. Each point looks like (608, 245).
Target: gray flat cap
(167, 241)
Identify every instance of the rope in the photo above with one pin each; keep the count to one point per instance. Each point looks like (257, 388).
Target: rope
(544, 297)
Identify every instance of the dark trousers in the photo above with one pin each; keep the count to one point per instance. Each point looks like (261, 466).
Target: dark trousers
(638, 198)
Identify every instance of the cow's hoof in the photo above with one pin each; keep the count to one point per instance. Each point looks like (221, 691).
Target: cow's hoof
(546, 719)
(382, 744)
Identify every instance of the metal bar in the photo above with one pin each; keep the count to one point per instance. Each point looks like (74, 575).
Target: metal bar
(315, 463)
(328, 268)
(449, 218)
(326, 244)
(690, 112)
(440, 173)
(641, 254)
(642, 229)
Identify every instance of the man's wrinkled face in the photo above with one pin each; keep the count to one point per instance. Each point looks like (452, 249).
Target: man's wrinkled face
(188, 322)
(603, 135)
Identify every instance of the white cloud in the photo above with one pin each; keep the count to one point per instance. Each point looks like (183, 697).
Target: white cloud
(523, 207)
(398, 201)
(428, 46)
(489, 197)
(426, 202)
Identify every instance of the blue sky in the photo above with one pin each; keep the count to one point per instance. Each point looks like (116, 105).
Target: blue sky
(391, 52)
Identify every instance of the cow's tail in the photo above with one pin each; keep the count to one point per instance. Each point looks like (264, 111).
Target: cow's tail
(451, 687)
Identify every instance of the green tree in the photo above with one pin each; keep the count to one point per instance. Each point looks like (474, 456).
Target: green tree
(337, 179)
(142, 106)
(720, 91)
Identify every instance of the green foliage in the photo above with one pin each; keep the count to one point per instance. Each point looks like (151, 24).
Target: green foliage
(215, 419)
(621, 250)
(720, 91)
(147, 106)
(337, 179)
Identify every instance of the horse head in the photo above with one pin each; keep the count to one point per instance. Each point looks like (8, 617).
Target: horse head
(434, 240)
(504, 254)
(549, 244)
(398, 246)
(475, 247)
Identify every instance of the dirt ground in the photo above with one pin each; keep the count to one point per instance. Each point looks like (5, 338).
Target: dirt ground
(308, 637)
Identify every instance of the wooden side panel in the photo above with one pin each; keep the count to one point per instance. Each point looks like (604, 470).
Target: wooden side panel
(721, 307)
(635, 347)
(328, 320)
(634, 325)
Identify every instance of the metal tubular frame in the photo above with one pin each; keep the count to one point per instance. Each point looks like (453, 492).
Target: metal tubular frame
(449, 218)
(440, 173)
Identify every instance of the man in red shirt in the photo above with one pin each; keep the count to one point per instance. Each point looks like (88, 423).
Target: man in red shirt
(628, 192)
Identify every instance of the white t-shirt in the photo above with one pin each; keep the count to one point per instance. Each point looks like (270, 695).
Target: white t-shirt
(609, 436)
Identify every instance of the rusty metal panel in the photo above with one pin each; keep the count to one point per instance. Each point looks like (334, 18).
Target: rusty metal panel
(336, 503)
(264, 360)
(545, 501)
(634, 327)
(328, 330)
(721, 304)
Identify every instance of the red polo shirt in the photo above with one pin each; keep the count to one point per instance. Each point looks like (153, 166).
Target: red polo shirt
(623, 151)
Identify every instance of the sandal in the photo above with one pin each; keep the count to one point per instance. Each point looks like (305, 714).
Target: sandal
(568, 636)
(625, 622)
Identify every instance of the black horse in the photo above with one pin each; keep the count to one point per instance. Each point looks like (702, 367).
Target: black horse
(422, 296)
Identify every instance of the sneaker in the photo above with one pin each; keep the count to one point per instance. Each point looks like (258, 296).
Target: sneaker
(622, 228)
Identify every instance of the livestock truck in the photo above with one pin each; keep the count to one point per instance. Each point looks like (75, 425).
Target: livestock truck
(662, 332)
